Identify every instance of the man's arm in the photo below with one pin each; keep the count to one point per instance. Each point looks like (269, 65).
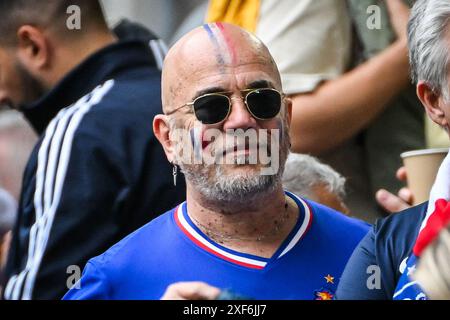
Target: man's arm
(81, 189)
(340, 108)
(361, 279)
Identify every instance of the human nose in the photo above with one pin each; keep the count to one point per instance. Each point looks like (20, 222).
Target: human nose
(240, 117)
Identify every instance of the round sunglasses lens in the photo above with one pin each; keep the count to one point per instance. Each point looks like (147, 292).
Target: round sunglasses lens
(211, 109)
(265, 103)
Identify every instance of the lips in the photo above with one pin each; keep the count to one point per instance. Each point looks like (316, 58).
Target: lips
(241, 148)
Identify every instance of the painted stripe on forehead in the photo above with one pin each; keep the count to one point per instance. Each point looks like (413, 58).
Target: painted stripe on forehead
(230, 44)
(215, 41)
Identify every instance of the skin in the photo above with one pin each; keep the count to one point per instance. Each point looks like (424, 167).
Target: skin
(192, 66)
(45, 56)
(341, 115)
(191, 291)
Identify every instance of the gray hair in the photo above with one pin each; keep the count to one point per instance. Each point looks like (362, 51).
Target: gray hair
(428, 50)
(303, 172)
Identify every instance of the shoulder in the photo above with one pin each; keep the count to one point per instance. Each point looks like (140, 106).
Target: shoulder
(151, 238)
(400, 228)
(334, 221)
(113, 112)
(393, 238)
(382, 252)
(128, 102)
(329, 229)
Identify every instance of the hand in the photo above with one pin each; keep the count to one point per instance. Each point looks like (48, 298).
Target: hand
(399, 14)
(191, 291)
(392, 203)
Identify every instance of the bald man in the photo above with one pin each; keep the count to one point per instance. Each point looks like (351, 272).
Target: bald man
(238, 229)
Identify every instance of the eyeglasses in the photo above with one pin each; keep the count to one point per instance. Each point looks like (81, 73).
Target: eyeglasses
(213, 108)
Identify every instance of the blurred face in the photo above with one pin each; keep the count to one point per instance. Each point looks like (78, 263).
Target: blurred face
(232, 153)
(17, 86)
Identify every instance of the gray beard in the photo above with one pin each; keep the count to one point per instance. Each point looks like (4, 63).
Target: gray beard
(237, 189)
(233, 192)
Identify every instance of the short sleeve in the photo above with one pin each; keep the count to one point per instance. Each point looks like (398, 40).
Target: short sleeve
(361, 279)
(92, 285)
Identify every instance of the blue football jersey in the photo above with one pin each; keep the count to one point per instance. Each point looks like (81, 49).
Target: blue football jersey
(173, 249)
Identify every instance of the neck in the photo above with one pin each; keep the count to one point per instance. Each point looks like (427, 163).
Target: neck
(67, 57)
(258, 227)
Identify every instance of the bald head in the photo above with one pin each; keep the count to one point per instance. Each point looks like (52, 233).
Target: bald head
(215, 55)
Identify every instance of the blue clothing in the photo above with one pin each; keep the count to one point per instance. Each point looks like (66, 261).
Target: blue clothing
(384, 251)
(407, 288)
(171, 249)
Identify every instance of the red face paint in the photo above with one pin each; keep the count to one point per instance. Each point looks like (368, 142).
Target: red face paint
(228, 41)
(197, 138)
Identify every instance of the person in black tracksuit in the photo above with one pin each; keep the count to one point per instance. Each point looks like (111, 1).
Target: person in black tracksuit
(97, 172)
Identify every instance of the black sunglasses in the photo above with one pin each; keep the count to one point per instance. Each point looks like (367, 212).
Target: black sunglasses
(213, 108)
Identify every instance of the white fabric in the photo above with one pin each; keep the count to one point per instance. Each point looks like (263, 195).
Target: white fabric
(440, 189)
(310, 40)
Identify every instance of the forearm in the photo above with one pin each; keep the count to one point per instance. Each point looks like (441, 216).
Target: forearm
(340, 108)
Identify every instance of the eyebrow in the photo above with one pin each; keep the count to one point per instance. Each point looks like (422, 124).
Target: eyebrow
(209, 90)
(260, 84)
(253, 85)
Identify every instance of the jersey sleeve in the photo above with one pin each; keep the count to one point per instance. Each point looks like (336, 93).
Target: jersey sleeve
(361, 279)
(92, 285)
(80, 199)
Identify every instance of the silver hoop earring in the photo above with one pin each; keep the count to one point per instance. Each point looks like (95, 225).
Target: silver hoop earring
(175, 173)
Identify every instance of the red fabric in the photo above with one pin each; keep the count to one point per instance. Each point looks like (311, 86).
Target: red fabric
(438, 220)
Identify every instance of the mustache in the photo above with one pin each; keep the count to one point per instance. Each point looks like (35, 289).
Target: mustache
(234, 143)
(251, 148)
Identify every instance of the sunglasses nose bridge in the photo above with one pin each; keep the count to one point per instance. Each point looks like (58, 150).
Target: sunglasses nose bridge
(239, 115)
(240, 99)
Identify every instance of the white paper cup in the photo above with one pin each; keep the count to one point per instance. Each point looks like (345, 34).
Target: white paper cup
(421, 168)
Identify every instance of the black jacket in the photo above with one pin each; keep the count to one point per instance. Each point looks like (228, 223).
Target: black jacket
(97, 173)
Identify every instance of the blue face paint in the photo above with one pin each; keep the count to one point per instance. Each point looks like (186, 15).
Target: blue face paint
(196, 140)
(215, 41)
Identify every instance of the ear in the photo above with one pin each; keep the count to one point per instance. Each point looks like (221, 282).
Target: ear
(288, 105)
(161, 129)
(33, 48)
(433, 103)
